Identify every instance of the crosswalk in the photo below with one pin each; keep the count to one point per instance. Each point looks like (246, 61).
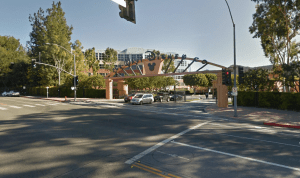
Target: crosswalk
(5, 107)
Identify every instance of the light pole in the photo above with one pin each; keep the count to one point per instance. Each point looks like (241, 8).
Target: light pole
(234, 66)
(74, 66)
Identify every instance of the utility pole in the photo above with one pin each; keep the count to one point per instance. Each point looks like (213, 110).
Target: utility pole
(234, 68)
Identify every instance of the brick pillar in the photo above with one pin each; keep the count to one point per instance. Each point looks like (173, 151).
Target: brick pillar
(109, 89)
(222, 92)
(122, 87)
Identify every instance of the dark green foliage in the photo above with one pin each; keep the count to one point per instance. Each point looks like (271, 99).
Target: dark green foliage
(246, 99)
(277, 23)
(275, 100)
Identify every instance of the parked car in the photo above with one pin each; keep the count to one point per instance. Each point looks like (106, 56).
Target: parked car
(16, 93)
(142, 98)
(9, 93)
(129, 97)
(178, 97)
(162, 96)
(4, 93)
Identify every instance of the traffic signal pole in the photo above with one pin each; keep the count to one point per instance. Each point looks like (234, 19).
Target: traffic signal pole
(74, 79)
(234, 68)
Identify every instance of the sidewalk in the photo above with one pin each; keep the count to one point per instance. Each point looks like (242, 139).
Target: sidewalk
(272, 117)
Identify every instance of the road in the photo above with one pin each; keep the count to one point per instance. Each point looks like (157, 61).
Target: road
(41, 138)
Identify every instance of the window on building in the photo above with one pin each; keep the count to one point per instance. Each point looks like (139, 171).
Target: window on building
(102, 66)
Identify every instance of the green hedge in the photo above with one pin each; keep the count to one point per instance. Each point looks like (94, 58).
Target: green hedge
(66, 91)
(275, 100)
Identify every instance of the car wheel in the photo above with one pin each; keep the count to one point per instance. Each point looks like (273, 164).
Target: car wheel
(150, 101)
(141, 103)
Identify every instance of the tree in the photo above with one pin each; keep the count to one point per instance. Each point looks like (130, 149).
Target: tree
(210, 78)
(11, 51)
(289, 74)
(91, 60)
(150, 83)
(53, 29)
(96, 81)
(256, 79)
(110, 58)
(277, 23)
(195, 80)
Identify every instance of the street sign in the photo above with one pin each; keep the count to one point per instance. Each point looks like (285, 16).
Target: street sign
(234, 91)
(120, 2)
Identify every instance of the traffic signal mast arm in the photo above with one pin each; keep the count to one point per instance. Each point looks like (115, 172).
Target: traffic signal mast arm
(53, 66)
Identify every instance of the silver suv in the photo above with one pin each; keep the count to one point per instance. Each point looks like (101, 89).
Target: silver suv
(142, 98)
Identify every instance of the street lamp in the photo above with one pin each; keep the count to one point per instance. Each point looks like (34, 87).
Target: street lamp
(74, 67)
(234, 66)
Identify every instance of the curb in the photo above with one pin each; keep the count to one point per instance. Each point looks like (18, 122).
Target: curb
(281, 125)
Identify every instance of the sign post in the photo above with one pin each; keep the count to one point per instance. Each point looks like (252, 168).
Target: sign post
(47, 91)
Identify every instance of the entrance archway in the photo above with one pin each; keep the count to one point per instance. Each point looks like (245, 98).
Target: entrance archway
(152, 67)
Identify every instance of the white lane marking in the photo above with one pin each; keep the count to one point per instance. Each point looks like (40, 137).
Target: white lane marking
(238, 156)
(3, 108)
(173, 155)
(52, 103)
(39, 104)
(29, 106)
(257, 139)
(17, 107)
(133, 159)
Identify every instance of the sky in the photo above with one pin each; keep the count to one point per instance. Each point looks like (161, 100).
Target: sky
(196, 28)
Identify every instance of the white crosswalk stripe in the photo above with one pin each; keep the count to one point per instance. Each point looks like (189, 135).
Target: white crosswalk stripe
(39, 104)
(17, 107)
(3, 108)
(29, 106)
(52, 104)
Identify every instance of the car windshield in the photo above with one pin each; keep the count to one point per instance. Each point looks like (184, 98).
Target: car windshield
(138, 96)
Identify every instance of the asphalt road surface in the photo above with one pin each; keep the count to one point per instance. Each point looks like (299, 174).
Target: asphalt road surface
(41, 138)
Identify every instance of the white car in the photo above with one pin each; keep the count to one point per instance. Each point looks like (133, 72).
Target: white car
(4, 93)
(16, 93)
(9, 93)
(142, 98)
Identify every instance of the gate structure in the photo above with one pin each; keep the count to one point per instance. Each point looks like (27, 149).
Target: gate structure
(152, 66)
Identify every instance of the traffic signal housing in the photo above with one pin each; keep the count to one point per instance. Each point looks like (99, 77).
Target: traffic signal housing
(128, 12)
(226, 77)
(75, 79)
(241, 75)
(223, 77)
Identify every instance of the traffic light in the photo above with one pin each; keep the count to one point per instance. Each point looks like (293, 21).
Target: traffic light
(226, 77)
(128, 12)
(241, 75)
(76, 80)
(223, 77)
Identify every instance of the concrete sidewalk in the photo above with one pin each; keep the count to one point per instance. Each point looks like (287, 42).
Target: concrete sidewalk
(272, 117)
